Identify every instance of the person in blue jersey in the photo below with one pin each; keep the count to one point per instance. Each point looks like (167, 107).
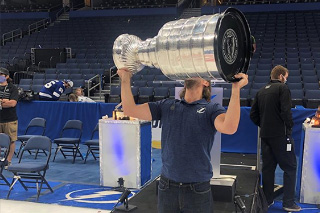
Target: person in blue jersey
(188, 129)
(52, 90)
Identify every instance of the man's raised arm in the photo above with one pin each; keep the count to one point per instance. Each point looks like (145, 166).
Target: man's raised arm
(129, 106)
(227, 123)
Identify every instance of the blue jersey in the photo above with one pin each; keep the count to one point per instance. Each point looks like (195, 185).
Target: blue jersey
(52, 90)
(187, 137)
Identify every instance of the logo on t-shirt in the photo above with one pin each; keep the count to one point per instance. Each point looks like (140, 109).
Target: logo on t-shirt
(201, 110)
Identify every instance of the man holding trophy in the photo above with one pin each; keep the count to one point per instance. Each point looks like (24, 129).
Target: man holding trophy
(195, 50)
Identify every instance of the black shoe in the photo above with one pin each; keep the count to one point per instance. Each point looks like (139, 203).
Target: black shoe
(6, 165)
(293, 208)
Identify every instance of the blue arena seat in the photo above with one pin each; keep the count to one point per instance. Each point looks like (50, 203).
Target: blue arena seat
(25, 81)
(140, 83)
(145, 94)
(160, 93)
(295, 86)
(310, 79)
(78, 83)
(51, 76)
(311, 86)
(226, 97)
(115, 94)
(244, 95)
(36, 88)
(147, 77)
(172, 93)
(258, 85)
(312, 98)
(305, 72)
(308, 66)
(294, 79)
(38, 81)
(297, 97)
(261, 79)
(135, 93)
(153, 84)
(63, 76)
(39, 76)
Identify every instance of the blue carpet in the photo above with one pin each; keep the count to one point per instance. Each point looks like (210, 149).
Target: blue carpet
(79, 181)
(89, 196)
(18, 192)
(277, 208)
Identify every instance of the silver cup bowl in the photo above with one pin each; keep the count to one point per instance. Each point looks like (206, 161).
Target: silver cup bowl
(213, 47)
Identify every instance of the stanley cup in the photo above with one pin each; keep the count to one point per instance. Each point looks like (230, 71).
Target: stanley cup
(211, 46)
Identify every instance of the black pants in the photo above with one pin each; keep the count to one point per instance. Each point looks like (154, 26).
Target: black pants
(274, 151)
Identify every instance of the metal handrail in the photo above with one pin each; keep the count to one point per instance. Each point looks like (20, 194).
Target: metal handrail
(39, 24)
(54, 7)
(99, 84)
(131, 6)
(25, 74)
(112, 75)
(192, 4)
(64, 9)
(12, 35)
(42, 64)
(77, 6)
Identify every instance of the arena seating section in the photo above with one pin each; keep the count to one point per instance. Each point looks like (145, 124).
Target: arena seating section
(244, 2)
(119, 4)
(290, 39)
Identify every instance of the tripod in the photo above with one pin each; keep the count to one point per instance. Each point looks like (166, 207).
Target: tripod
(124, 199)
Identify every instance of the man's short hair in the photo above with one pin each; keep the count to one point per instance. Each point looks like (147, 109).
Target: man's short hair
(277, 71)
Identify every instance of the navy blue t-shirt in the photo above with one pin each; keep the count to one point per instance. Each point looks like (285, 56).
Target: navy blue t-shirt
(187, 138)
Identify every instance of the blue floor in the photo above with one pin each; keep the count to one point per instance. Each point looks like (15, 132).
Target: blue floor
(62, 170)
(277, 208)
(73, 183)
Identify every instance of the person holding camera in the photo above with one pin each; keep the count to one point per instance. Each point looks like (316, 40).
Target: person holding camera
(8, 115)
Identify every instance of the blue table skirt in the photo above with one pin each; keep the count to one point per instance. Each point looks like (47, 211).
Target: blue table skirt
(57, 113)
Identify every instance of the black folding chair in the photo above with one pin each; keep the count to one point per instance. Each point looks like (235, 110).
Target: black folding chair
(92, 144)
(33, 171)
(69, 140)
(37, 126)
(5, 148)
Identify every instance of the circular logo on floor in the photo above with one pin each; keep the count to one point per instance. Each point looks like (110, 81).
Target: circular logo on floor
(94, 195)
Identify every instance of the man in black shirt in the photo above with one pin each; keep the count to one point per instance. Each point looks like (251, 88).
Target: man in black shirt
(8, 115)
(271, 111)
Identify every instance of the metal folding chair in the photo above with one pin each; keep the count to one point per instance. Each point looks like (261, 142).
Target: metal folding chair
(69, 140)
(37, 126)
(93, 144)
(32, 171)
(5, 148)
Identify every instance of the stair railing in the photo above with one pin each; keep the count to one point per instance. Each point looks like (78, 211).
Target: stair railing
(91, 87)
(9, 36)
(113, 73)
(43, 23)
